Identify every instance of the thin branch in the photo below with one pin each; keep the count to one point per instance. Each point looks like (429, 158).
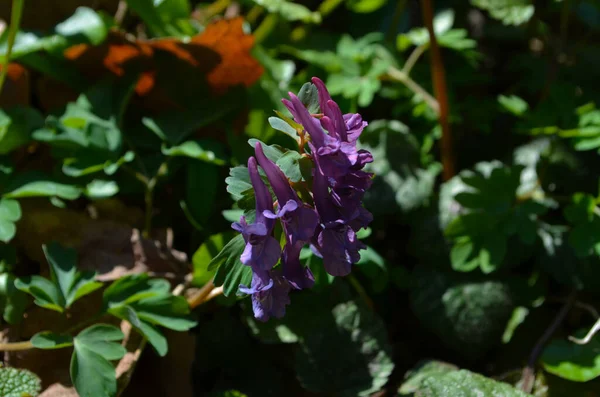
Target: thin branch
(528, 378)
(589, 335)
(393, 29)
(121, 12)
(15, 346)
(441, 92)
(202, 295)
(413, 58)
(412, 85)
(15, 22)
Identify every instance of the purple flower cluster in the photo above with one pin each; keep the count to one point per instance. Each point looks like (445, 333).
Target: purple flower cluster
(330, 227)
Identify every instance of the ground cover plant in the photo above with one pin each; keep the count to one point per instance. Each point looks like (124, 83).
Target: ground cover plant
(277, 198)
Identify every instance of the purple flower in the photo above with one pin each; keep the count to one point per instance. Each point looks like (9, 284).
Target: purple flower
(338, 246)
(262, 251)
(335, 239)
(295, 273)
(270, 294)
(299, 220)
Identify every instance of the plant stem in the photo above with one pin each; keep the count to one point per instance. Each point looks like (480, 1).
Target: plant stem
(265, 28)
(15, 22)
(15, 346)
(441, 92)
(121, 11)
(254, 13)
(204, 295)
(528, 378)
(149, 196)
(413, 58)
(393, 29)
(361, 291)
(412, 85)
(328, 6)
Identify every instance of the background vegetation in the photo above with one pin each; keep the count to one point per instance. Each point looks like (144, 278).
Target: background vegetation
(121, 123)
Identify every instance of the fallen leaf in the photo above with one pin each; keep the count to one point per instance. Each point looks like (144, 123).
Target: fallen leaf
(227, 38)
(221, 52)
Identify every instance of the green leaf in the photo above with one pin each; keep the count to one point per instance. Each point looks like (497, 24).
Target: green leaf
(163, 18)
(146, 303)
(16, 126)
(283, 126)
(13, 302)
(63, 271)
(45, 292)
(467, 384)
(352, 344)
(85, 22)
(209, 249)
(205, 150)
(38, 185)
(10, 213)
(170, 311)
(91, 370)
(18, 383)
(424, 369)
(133, 288)
(154, 336)
(290, 10)
(49, 340)
(99, 189)
(309, 97)
(513, 104)
(468, 314)
(402, 179)
(572, 361)
(175, 127)
(289, 163)
(510, 12)
(558, 258)
(365, 6)
(84, 26)
(230, 272)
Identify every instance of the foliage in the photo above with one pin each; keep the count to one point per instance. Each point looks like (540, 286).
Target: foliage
(126, 129)
(18, 382)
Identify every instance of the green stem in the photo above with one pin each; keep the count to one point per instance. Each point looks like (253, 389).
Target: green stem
(413, 58)
(328, 6)
(254, 13)
(396, 20)
(360, 290)
(149, 196)
(15, 22)
(15, 346)
(265, 28)
(402, 77)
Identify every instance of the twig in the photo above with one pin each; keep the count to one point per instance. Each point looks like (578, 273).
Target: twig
(15, 346)
(412, 85)
(121, 12)
(393, 29)
(528, 378)
(265, 28)
(441, 92)
(413, 58)
(588, 337)
(204, 295)
(15, 22)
